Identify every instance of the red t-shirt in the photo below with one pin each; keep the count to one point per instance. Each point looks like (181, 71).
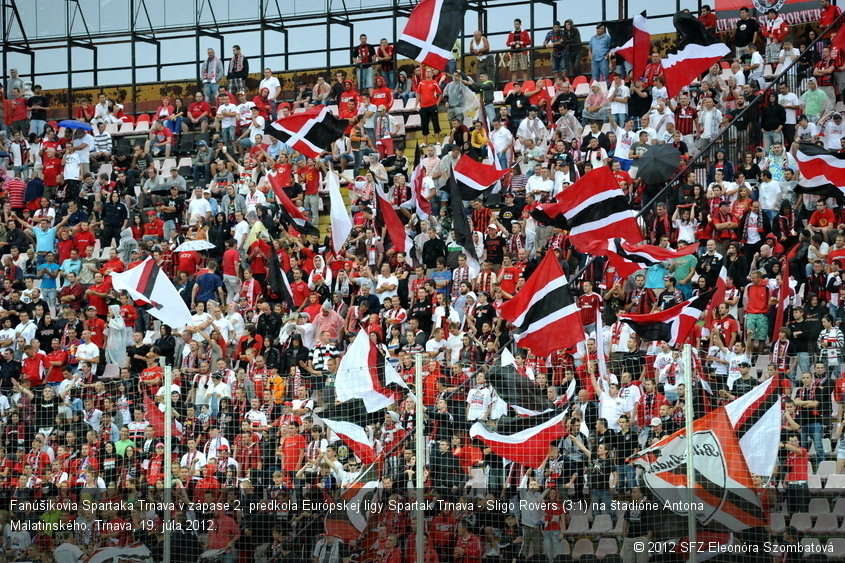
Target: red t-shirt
(230, 258)
(258, 262)
(428, 91)
(382, 97)
(796, 466)
(51, 167)
(311, 178)
(757, 299)
(154, 228)
(196, 109)
(824, 218)
(97, 326)
(189, 262)
(284, 172)
(96, 300)
(82, 240)
(54, 374)
(225, 531)
(299, 291)
(292, 447)
(31, 367)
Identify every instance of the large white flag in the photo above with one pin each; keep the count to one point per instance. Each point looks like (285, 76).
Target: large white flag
(148, 284)
(341, 222)
(364, 374)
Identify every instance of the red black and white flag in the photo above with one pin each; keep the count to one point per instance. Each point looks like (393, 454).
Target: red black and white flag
(523, 439)
(431, 32)
(591, 208)
(544, 313)
(387, 217)
(310, 132)
(364, 374)
(822, 171)
(731, 444)
(349, 420)
(637, 49)
(673, 325)
(697, 52)
(349, 515)
(148, 284)
(719, 294)
(628, 258)
(291, 216)
(278, 285)
(474, 178)
(517, 391)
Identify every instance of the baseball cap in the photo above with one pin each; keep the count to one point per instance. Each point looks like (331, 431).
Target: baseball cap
(223, 447)
(656, 421)
(202, 144)
(160, 445)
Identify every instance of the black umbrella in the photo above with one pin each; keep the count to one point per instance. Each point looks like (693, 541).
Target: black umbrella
(658, 164)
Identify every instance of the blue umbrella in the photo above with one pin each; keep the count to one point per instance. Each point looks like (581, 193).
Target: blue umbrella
(74, 124)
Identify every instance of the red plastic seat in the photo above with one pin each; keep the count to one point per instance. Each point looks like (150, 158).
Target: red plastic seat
(142, 117)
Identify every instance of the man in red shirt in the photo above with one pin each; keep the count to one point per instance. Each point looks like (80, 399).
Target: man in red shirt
(198, 113)
(467, 545)
(258, 256)
(708, 18)
(757, 301)
(508, 276)
(51, 167)
(231, 265)
(309, 177)
(97, 293)
(153, 228)
(56, 362)
(291, 448)
(161, 139)
(823, 220)
(299, 289)
(97, 326)
(589, 304)
(381, 94)
(152, 376)
(83, 238)
(797, 489)
(652, 70)
(429, 94)
(33, 365)
(19, 122)
(189, 262)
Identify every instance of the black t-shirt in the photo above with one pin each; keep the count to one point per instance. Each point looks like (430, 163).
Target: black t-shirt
(45, 411)
(179, 203)
(421, 310)
(136, 365)
(801, 343)
(599, 470)
(495, 247)
(745, 31)
(40, 114)
(639, 519)
(508, 214)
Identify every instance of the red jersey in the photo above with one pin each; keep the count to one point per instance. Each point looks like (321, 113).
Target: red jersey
(231, 258)
(299, 291)
(154, 228)
(382, 97)
(54, 373)
(284, 172)
(292, 446)
(82, 240)
(50, 168)
(508, 278)
(196, 109)
(310, 179)
(429, 92)
(589, 306)
(796, 465)
(96, 300)
(34, 368)
(16, 188)
(189, 262)
(97, 326)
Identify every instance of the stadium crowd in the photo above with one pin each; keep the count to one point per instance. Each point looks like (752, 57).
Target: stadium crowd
(252, 373)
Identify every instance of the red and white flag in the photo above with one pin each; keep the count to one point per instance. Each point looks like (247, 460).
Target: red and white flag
(349, 420)
(523, 439)
(731, 444)
(544, 312)
(681, 68)
(148, 284)
(388, 217)
(628, 258)
(474, 177)
(673, 325)
(364, 374)
(309, 133)
(431, 32)
(637, 50)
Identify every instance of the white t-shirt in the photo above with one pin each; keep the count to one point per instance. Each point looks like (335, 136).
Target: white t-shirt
(271, 84)
(227, 121)
(257, 128)
(68, 553)
(83, 154)
(619, 92)
(71, 168)
(198, 208)
(789, 99)
(387, 280)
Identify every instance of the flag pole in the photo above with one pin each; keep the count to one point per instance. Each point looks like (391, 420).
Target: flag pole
(686, 358)
(419, 470)
(168, 445)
